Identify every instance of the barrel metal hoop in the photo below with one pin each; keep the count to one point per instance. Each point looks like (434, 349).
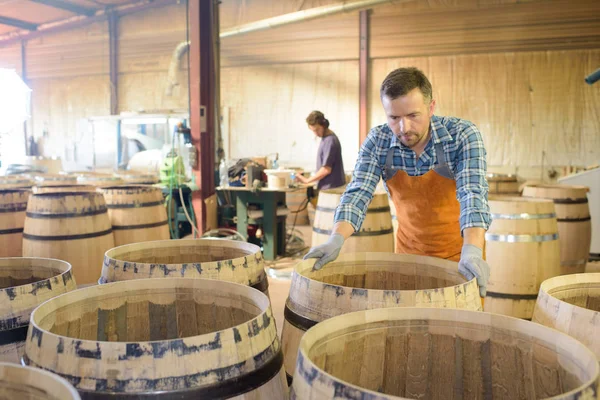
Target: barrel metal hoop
(14, 335)
(523, 216)
(359, 233)
(141, 226)
(100, 210)
(573, 262)
(297, 320)
(67, 237)
(571, 201)
(11, 231)
(574, 219)
(218, 391)
(262, 285)
(492, 237)
(512, 296)
(16, 207)
(369, 211)
(134, 205)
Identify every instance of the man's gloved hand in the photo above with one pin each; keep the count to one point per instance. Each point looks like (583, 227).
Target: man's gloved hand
(326, 252)
(472, 265)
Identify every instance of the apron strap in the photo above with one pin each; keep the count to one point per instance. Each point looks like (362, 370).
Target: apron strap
(442, 168)
(390, 171)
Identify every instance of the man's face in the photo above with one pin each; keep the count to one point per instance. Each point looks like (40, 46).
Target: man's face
(409, 116)
(318, 130)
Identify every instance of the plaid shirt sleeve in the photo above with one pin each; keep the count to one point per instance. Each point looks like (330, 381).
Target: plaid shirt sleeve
(471, 184)
(367, 172)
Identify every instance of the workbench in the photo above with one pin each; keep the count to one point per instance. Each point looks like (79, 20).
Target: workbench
(269, 200)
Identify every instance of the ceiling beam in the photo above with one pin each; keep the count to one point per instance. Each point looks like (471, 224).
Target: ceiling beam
(17, 23)
(79, 22)
(64, 5)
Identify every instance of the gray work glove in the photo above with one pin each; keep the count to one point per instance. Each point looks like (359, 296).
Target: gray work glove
(327, 251)
(472, 265)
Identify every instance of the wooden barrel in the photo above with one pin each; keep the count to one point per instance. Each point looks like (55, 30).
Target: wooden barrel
(138, 177)
(363, 281)
(179, 338)
(296, 202)
(430, 353)
(98, 179)
(26, 383)
(503, 184)
(593, 265)
(63, 188)
(376, 233)
(522, 250)
(311, 211)
(26, 283)
(13, 203)
(574, 223)
(54, 179)
(226, 260)
(571, 304)
(15, 182)
(70, 226)
(137, 213)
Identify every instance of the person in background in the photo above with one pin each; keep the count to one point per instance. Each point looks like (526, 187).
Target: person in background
(434, 171)
(330, 167)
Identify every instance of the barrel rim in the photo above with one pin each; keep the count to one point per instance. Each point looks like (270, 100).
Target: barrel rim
(38, 371)
(517, 199)
(580, 279)
(23, 260)
(557, 186)
(159, 244)
(233, 290)
(14, 190)
(365, 317)
(307, 264)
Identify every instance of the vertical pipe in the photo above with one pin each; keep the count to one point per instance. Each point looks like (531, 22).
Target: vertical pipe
(113, 43)
(202, 86)
(363, 67)
(24, 77)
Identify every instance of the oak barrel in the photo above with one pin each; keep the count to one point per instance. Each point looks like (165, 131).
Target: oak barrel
(522, 250)
(376, 233)
(99, 179)
(26, 283)
(54, 179)
(503, 184)
(571, 304)
(13, 203)
(138, 177)
(15, 182)
(226, 260)
(593, 264)
(297, 203)
(574, 222)
(430, 353)
(363, 281)
(137, 213)
(63, 188)
(161, 339)
(18, 382)
(70, 226)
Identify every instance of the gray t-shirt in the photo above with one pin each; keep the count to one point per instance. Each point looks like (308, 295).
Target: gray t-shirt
(330, 155)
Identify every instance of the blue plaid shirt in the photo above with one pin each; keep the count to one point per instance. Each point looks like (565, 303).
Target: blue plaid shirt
(465, 153)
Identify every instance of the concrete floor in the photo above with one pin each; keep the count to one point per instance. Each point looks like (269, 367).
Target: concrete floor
(279, 275)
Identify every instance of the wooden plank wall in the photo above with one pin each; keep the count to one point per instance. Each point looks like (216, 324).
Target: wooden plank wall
(514, 67)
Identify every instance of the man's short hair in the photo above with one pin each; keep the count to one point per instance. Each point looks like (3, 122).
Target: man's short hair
(402, 80)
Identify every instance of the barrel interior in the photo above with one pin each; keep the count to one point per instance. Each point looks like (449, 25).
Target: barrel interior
(179, 254)
(386, 275)
(585, 295)
(17, 390)
(150, 315)
(24, 271)
(448, 360)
